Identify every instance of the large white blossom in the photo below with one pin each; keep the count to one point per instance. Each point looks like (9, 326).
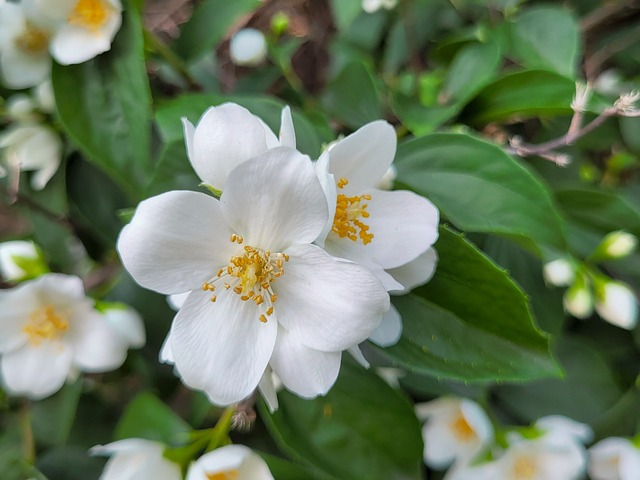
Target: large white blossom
(48, 330)
(456, 431)
(231, 462)
(261, 293)
(136, 459)
(614, 458)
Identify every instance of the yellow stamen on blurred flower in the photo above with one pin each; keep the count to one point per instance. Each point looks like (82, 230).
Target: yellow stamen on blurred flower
(91, 14)
(45, 324)
(32, 40)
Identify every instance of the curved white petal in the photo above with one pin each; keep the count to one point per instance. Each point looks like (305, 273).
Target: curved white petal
(128, 324)
(609, 456)
(364, 156)
(618, 305)
(20, 70)
(565, 426)
(287, 131)
(97, 346)
(303, 370)
(225, 137)
(222, 348)
(268, 390)
(390, 329)
(134, 459)
(327, 303)
(231, 458)
(275, 200)
(357, 355)
(328, 184)
(166, 352)
(176, 300)
(175, 242)
(417, 272)
(9, 252)
(36, 371)
(16, 306)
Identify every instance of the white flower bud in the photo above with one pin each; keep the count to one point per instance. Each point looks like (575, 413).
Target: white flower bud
(20, 108)
(618, 244)
(371, 6)
(617, 304)
(16, 259)
(386, 182)
(43, 94)
(578, 301)
(248, 47)
(560, 272)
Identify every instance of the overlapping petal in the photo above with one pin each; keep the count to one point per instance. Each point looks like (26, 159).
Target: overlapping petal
(97, 346)
(390, 329)
(417, 272)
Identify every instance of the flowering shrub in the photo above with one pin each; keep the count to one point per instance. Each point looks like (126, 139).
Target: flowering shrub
(326, 240)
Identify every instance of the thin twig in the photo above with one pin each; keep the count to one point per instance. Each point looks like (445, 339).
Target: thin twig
(157, 46)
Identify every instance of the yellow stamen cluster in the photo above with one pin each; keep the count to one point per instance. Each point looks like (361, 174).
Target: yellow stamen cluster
(91, 14)
(250, 275)
(461, 428)
(32, 40)
(349, 210)
(524, 469)
(45, 324)
(226, 475)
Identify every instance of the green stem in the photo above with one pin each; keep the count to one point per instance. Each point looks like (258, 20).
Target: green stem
(220, 433)
(28, 443)
(157, 46)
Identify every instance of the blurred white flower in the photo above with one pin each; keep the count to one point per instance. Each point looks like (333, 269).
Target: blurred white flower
(456, 431)
(614, 458)
(248, 47)
(258, 286)
(578, 300)
(48, 328)
(126, 322)
(371, 6)
(21, 109)
(560, 272)
(24, 45)
(618, 244)
(136, 459)
(20, 259)
(44, 96)
(617, 304)
(231, 462)
(228, 135)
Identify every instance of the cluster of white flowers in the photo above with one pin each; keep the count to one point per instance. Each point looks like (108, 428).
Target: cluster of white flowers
(614, 300)
(458, 435)
(70, 31)
(28, 144)
(135, 458)
(290, 266)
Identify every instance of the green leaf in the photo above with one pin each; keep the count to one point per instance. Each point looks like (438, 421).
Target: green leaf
(547, 38)
(210, 22)
(522, 94)
(70, 463)
(173, 170)
(147, 417)
(480, 188)
(52, 418)
(342, 435)
(284, 470)
(12, 462)
(104, 106)
(352, 96)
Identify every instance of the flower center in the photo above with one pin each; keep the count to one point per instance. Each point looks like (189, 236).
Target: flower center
(226, 475)
(347, 220)
(524, 469)
(45, 324)
(461, 429)
(32, 40)
(250, 276)
(91, 14)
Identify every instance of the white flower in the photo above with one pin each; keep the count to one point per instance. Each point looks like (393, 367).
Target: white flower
(248, 47)
(24, 44)
(48, 328)
(228, 135)
(232, 462)
(559, 272)
(578, 301)
(16, 259)
(617, 304)
(21, 108)
(126, 322)
(84, 28)
(560, 425)
(136, 459)
(616, 245)
(261, 293)
(456, 431)
(44, 96)
(614, 458)
(371, 6)
(32, 147)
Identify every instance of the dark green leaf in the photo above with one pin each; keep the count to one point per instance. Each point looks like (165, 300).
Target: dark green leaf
(52, 418)
(480, 188)
(104, 106)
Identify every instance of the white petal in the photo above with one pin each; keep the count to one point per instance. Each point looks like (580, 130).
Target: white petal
(390, 329)
(328, 184)
(189, 131)
(287, 131)
(128, 324)
(327, 303)
(16, 306)
(36, 371)
(268, 390)
(275, 200)
(97, 346)
(303, 370)
(619, 306)
(9, 251)
(364, 156)
(175, 301)
(175, 242)
(357, 355)
(229, 458)
(166, 352)
(606, 458)
(23, 71)
(417, 272)
(222, 348)
(561, 425)
(135, 458)
(225, 137)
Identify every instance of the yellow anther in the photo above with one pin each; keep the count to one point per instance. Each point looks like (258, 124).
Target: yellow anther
(32, 40)
(347, 223)
(233, 238)
(45, 324)
(269, 310)
(273, 298)
(461, 428)
(263, 319)
(214, 298)
(226, 475)
(343, 182)
(237, 289)
(259, 299)
(91, 14)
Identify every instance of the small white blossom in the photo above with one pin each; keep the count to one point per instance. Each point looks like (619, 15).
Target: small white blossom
(44, 96)
(616, 245)
(126, 322)
(617, 304)
(136, 459)
(371, 6)
(248, 47)
(456, 431)
(614, 458)
(48, 329)
(15, 259)
(578, 301)
(560, 272)
(582, 96)
(232, 462)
